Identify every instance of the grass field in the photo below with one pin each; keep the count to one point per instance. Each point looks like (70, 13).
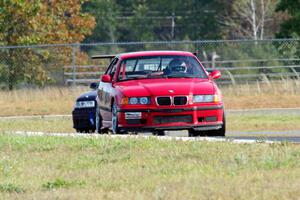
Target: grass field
(103, 168)
(285, 94)
(39, 101)
(235, 122)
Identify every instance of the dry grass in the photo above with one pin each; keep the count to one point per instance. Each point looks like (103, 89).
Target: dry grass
(283, 94)
(79, 168)
(39, 101)
(280, 94)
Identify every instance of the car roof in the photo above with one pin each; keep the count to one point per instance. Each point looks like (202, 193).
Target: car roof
(154, 53)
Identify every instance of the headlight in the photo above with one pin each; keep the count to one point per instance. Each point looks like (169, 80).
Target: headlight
(144, 100)
(133, 100)
(205, 98)
(85, 104)
(139, 100)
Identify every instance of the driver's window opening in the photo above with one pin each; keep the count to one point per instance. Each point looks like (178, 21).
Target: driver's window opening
(160, 67)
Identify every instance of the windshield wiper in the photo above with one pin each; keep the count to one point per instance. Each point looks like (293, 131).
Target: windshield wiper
(179, 76)
(133, 78)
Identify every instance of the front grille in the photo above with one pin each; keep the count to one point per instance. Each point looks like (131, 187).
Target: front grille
(181, 100)
(170, 119)
(164, 101)
(136, 121)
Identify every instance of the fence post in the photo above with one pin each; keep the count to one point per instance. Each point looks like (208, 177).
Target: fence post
(230, 76)
(265, 78)
(74, 47)
(292, 68)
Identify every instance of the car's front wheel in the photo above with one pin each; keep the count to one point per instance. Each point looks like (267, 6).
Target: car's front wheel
(220, 132)
(114, 120)
(159, 133)
(211, 133)
(98, 120)
(194, 133)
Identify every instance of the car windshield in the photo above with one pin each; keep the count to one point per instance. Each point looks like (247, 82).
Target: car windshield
(161, 67)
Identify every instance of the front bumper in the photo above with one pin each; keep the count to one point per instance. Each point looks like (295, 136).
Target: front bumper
(84, 118)
(202, 118)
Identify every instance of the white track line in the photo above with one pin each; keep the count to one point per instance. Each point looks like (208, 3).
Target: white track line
(169, 138)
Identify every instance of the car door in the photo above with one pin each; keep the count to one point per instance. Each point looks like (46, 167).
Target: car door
(105, 91)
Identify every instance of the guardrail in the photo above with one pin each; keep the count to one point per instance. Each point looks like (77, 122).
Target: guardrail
(85, 74)
(254, 74)
(230, 75)
(239, 60)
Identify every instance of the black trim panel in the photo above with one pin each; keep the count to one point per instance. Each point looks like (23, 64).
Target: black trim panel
(173, 110)
(215, 126)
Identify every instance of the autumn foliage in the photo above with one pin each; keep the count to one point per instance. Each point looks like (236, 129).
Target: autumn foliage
(28, 22)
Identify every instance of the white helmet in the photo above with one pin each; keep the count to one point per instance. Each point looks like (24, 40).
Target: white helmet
(177, 65)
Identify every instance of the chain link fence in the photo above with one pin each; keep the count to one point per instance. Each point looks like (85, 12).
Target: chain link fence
(241, 61)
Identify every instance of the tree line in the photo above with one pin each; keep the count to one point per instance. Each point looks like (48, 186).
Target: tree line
(30, 22)
(72, 21)
(142, 20)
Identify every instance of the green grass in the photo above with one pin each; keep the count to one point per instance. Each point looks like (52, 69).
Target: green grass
(104, 168)
(263, 122)
(57, 125)
(235, 122)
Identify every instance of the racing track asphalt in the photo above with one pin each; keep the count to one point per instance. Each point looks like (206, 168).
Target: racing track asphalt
(279, 136)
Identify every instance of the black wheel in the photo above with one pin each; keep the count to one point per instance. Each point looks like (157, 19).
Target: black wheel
(220, 132)
(159, 133)
(98, 120)
(194, 133)
(114, 120)
(79, 130)
(84, 131)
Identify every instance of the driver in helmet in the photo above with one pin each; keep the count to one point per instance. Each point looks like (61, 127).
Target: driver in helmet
(176, 66)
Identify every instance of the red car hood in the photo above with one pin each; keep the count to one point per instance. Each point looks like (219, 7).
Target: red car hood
(166, 86)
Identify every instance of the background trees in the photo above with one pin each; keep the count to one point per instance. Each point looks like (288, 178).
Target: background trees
(249, 19)
(28, 22)
(24, 22)
(141, 20)
(291, 26)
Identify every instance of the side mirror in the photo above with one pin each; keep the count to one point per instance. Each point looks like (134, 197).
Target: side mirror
(94, 86)
(215, 74)
(106, 78)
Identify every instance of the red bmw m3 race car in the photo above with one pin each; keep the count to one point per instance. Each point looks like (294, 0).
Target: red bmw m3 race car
(155, 91)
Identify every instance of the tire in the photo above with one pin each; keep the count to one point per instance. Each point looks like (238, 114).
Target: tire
(79, 130)
(220, 132)
(159, 133)
(98, 119)
(194, 133)
(84, 131)
(114, 120)
(211, 133)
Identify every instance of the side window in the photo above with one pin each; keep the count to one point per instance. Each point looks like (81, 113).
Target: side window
(112, 67)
